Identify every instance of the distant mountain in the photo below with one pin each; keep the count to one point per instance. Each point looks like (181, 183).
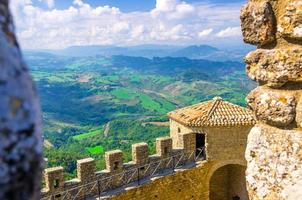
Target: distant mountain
(150, 51)
(195, 51)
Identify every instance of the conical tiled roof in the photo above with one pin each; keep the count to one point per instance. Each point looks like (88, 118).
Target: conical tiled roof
(216, 112)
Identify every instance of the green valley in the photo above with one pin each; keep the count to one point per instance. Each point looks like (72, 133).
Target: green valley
(95, 104)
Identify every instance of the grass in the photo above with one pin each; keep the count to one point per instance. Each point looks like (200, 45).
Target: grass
(149, 104)
(135, 78)
(95, 150)
(88, 134)
(62, 77)
(123, 93)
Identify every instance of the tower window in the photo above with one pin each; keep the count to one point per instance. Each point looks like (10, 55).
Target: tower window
(179, 130)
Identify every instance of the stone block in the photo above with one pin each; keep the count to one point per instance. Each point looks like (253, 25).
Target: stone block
(274, 162)
(164, 146)
(54, 179)
(290, 23)
(258, 23)
(86, 170)
(140, 153)
(187, 141)
(275, 67)
(272, 106)
(114, 160)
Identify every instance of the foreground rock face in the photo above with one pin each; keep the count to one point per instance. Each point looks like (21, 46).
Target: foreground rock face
(275, 67)
(258, 23)
(273, 154)
(273, 108)
(275, 164)
(20, 131)
(291, 21)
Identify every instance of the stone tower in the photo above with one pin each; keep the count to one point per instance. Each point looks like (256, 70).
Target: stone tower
(274, 149)
(20, 131)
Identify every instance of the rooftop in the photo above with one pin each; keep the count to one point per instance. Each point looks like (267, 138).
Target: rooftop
(216, 112)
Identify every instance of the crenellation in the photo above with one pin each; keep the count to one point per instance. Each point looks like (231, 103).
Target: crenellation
(54, 179)
(114, 160)
(116, 172)
(164, 146)
(140, 153)
(86, 169)
(187, 141)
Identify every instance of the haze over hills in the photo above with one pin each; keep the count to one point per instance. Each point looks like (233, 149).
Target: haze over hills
(150, 51)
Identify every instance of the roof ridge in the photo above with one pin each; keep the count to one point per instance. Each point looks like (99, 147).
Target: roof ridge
(217, 101)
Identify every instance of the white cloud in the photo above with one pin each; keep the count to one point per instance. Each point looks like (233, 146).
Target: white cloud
(166, 5)
(170, 22)
(229, 32)
(205, 32)
(49, 3)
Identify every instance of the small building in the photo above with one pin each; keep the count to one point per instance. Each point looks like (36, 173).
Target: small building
(221, 130)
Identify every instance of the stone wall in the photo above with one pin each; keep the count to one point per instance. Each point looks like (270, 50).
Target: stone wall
(183, 185)
(175, 129)
(274, 150)
(89, 182)
(221, 142)
(226, 143)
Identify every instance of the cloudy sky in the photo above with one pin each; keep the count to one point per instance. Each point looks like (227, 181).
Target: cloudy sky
(54, 24)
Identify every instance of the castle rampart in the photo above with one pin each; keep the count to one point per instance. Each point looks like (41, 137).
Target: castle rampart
(89, 182)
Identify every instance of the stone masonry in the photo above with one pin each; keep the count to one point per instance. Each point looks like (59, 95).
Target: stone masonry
(20, 120)
(274, 149)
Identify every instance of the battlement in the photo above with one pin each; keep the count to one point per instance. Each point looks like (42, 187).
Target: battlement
(117, 173)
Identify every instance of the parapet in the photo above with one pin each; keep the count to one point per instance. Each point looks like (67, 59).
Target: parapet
(54, 179)
(86, 169)
(187, 141)
(118, 173)
(114, 160)
(140, 153)
(164, 146)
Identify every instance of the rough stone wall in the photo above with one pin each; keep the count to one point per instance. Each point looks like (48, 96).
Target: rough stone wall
(274, 149)
(175, 127)
(20, 131)
(185, 185)
(223, 143)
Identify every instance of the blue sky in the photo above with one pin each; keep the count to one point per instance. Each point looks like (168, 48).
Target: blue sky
(133, 5)
(129, 5)
(57, 24)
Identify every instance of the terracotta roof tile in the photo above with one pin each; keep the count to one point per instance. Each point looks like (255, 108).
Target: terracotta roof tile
(216, 112)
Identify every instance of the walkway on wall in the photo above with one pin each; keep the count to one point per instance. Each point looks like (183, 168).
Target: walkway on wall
(141, 175)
